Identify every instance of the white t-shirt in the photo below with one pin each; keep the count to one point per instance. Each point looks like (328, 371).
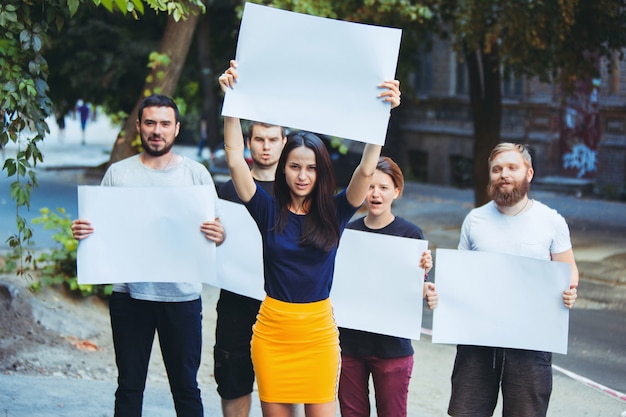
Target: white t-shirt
(537, 233)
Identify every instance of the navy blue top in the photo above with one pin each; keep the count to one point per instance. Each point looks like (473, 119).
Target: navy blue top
(360, 343)
(227, 190)
(295, 273)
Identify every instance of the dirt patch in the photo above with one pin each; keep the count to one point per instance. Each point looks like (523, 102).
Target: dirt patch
(52, 332)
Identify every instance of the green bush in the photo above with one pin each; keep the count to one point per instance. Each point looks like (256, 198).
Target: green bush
(58, 265)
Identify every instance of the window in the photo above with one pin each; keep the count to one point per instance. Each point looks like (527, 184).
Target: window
(461, 87)
(512, 86)
(422, 76)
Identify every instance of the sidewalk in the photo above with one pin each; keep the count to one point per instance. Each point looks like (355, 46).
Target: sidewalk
(598, 233)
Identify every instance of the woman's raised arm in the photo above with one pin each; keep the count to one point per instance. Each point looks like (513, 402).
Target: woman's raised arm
(234, 143)
(359, 183)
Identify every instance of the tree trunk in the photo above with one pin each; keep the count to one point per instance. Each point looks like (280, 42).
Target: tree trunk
(208, 83)
(175, 44)
(395, 145)
(486, 102)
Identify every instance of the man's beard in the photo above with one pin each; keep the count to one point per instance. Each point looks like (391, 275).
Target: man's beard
(508, 198)
(153, 152)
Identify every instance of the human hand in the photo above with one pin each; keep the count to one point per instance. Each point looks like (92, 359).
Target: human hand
(432, 298)
(81, 229)
(427, 261)
(570, 296)
(229, 77)
(214, 231)
(392, 94)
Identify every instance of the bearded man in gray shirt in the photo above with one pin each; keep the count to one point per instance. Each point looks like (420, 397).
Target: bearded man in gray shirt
(174, 310)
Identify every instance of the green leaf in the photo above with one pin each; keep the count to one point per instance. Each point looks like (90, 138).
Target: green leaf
(108, 4)
(138, 5)
(59, 21)
(73, 6)
(121, 5)
(10, 166)
(8, 17)
(25, 39)
(36, 43)
(177, 15)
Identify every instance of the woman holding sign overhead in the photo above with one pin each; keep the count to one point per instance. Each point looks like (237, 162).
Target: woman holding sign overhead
(388, 359)
(295, 344)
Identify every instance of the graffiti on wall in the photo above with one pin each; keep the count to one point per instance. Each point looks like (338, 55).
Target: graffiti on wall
(580, 130)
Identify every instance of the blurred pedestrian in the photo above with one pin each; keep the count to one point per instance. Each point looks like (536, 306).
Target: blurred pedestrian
(514, 224)
(83, 111)
(60, 120)
(203, 137)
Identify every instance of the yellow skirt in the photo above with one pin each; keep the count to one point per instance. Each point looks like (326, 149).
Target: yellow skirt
(295, 352)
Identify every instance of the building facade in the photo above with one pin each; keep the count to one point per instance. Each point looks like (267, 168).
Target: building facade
(579, 142)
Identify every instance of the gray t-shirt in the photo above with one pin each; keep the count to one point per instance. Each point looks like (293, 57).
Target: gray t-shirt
(131, 172)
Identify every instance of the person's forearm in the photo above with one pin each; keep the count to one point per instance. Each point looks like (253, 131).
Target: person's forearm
(237, 165)
(369, 159)
(233, 141)
(357, 189)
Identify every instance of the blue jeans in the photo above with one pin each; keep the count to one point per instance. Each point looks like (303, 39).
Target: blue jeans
(133, 323)
(524, 375)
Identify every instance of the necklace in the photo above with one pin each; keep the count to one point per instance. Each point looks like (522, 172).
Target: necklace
(523, 208)
(172, 157)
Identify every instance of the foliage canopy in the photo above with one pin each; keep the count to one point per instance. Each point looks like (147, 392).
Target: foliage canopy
(24, 99)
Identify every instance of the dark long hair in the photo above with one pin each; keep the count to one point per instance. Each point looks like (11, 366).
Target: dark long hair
(321, 225)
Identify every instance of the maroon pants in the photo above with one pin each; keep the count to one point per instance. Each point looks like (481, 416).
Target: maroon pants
(391, 378)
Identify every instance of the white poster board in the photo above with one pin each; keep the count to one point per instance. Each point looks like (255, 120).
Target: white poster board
(491, 299)
(146, 234)
(313, 73)
(379, 283)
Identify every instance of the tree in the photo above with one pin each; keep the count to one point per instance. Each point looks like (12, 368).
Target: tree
(547, 39)
(24, 28)
(101, 57)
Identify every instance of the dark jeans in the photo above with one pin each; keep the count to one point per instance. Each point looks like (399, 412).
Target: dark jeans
(179, 325)
(525, 377)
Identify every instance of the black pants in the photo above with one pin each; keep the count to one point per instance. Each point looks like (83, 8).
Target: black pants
(179, 326)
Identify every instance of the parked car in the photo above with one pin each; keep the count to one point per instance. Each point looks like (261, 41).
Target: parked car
(345, 155)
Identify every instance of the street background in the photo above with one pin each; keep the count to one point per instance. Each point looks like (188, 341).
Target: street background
(588, 384)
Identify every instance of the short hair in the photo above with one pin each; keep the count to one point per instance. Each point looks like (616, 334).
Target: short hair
(158, 100)
(253, 124)
(389, 167)
(517, 147)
